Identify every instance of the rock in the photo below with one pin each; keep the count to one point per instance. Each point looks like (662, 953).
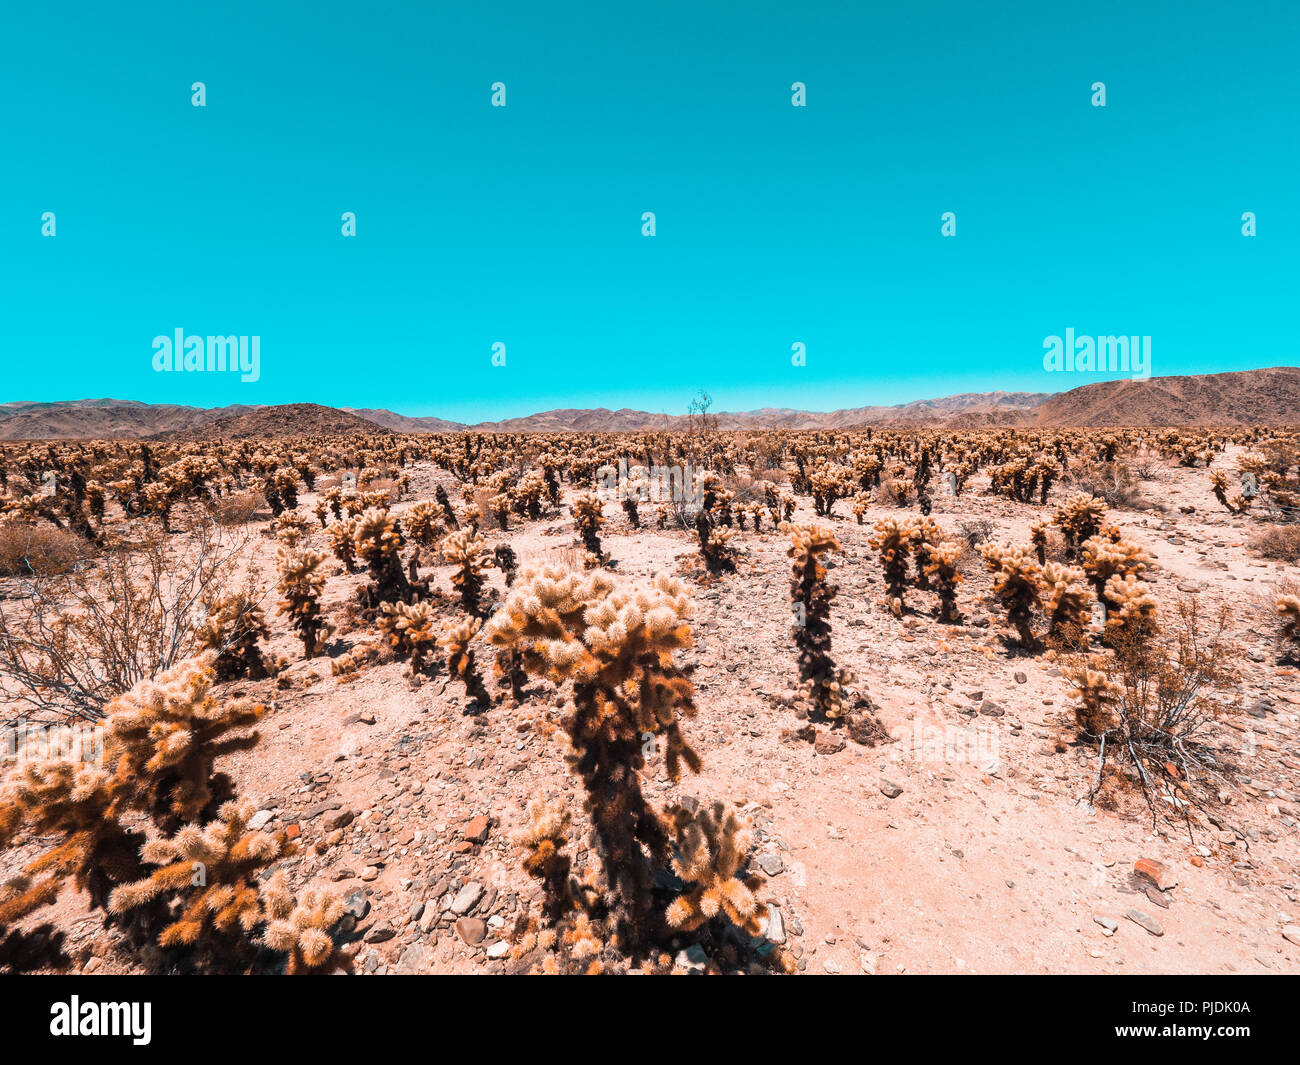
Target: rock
(828, 743)
(380, 933)
(1156, 896)
(867, 963)
(771, 864)
(833, 967)
(1145, 920)
(773, 927)
(370, 872)
(1155, 872)
(259, 820)
(466, 898)
(476, 831)
(692, 959)
(1021, 678)
(415, 959)
(338, 820)
(1291, 934)
(1108, 926)
(890, 790)
(357, 904)
(499, 949)
(471, 930)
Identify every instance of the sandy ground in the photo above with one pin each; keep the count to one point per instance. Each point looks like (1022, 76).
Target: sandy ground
(987, 859)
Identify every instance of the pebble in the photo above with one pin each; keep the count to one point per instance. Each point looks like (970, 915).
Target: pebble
(1145, 920)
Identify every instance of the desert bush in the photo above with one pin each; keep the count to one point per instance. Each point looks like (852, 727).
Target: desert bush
(1148, 703)
(38, 550)
(1288, 612)
(1281, 543)
(82, 638)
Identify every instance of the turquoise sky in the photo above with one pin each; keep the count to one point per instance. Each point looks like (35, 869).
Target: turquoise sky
(522, 225)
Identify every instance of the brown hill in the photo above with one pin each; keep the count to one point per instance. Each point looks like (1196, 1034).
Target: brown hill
(289, 419)
(1248, 397)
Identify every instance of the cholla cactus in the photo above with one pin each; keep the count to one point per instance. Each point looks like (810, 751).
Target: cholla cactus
(1067, 605)
(712, 850)
(1288, 612)
(543, 843)
(78, 803)
(301, 929)
(1038, 536)
(861, 504)
(587, 514)
(378, 541)
(824, 685)
(616, 644)
(1132, 613)
(1104, 558)
(942, 569)
(231, 629)
(925, 534)
(163, 739)
(1099, 698)
(424, 522)
(503, 557)
(468, 553)
(408, 628)
(1080, 518)
(456, 641)
(301, 585)
(343, 542)
(715, 543)
(786, 503)
(893, 539)
(1238, 504)
(212, 870)
(1018, 582)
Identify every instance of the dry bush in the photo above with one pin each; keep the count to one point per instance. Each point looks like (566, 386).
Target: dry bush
(1113, 482)
(78, 640)
(238, 508)
(38, 550)
(1280, 543)
(1147, 705)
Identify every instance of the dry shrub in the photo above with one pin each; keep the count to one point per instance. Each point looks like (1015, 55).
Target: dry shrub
(1148, 704)
(38, 550)
(237, 508)
(1280, 543)
(1112, 481)
(80, 639)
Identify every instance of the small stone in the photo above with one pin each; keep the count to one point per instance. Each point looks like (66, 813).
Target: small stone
(259, 820)
(476, 831)
(1145, 920)
(415, 959)
(1155, 872)
(890, 790)
(771, 864)
(380, 933)
(499, 949)
(692, 959)
(466, 898)
(772, 926)
(1021, 678)
(827, 743)
(357, 904)
(1291, 934)
(471, 930)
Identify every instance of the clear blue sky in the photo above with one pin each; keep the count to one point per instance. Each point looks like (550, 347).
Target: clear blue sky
(523, 224)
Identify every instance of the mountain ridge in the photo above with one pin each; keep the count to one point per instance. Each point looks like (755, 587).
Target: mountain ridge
(1263, 396)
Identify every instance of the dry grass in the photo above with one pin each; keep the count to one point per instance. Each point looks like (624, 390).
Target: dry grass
(38, 550)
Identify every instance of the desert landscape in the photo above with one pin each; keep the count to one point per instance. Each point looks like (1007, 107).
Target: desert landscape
(1005, 683)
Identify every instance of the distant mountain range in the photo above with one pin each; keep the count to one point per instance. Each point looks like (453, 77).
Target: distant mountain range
(1248, 397)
